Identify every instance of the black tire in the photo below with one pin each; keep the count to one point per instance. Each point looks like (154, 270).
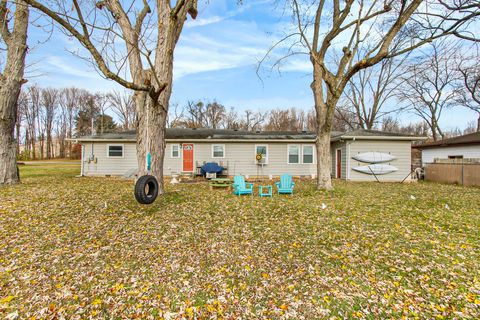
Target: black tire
(146, 189)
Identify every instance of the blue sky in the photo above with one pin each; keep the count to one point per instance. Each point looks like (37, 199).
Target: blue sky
(215, 59)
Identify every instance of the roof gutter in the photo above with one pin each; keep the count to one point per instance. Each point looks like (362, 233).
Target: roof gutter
(447, 145)
(101, 140)
(206, 140)
(198, 140)
(397, 138)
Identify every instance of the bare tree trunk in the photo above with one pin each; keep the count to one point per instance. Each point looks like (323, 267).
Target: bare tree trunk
(27, 144)
(17, 135)
(436, 131)
(151, 136)
(11, 81)
(324, 180)
(41, 143)
(8, 146)
(32, 144)
(152, 115)
(324, 119)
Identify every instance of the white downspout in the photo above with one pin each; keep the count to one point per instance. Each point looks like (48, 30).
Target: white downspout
(348, 158)
(82, 171)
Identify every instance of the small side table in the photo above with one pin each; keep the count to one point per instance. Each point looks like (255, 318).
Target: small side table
(265, 191)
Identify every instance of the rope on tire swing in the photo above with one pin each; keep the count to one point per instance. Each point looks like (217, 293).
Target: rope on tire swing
(146, 187)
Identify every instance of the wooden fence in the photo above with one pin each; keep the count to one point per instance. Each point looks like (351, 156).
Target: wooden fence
(465, 173)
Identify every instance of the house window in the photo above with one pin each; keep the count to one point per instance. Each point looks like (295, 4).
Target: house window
(218, 151)
(293, 154)
(307, 154)
(175, 151)
(263, 150)
(455, 157)
(115, 151)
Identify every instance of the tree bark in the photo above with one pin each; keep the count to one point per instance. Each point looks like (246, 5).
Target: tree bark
(17, 135)
(152, 113)
(151, 135)
(324, 163)
(324, 109)
(10, 84)
(49, 143)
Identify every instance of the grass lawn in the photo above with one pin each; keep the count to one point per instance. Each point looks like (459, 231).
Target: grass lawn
(81, 247)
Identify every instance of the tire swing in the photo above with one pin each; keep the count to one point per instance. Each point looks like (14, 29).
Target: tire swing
(146, 187)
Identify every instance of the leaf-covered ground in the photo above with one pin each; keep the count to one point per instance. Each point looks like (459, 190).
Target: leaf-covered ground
(82, 248)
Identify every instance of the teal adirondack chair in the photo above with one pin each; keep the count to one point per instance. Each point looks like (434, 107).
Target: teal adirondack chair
(285, 185)
(240, 187)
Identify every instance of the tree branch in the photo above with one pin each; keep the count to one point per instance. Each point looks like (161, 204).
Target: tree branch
(84, 39)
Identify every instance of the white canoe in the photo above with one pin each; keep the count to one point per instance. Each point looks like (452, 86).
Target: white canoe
(373, 157)
(376, 169)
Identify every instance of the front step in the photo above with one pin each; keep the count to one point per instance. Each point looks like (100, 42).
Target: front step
(186, 176)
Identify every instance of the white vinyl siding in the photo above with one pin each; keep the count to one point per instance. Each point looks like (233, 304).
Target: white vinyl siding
(239, 157)
(429, 155)
(401, 150)
(97, 162)
(218, 151)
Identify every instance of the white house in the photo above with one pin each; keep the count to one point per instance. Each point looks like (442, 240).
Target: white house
(462, 147)
(282, 152)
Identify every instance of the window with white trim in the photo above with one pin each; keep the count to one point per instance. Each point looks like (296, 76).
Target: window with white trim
(218, 151)
(115, 150)
(307, 154)
(263, 150)
(175, 151)
(293, 153)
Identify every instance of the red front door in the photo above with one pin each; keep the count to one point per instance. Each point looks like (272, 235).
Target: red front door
(187, 157)
(339, 164)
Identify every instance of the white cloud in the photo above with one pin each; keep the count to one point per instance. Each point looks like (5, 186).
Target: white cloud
(203, 21)
(229, 44)
(58, 64)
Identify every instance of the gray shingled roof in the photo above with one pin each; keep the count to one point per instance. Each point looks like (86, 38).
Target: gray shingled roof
(221, 134)
(472, 138)
(228, 134)
(374, 133)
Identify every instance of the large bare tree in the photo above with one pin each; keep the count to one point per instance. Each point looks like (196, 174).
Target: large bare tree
(332, 33)
(215, 115)
(470, 10)
(14, 40)
(252, 121)
(429, 84)
(32, 118)
(22, 105)
(70, 100)
(49, 100)
(469, 93)
(133, 44)
(370, 89)
(123, 107)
